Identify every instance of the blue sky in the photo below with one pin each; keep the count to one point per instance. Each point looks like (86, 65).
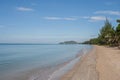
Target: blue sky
(53, 21)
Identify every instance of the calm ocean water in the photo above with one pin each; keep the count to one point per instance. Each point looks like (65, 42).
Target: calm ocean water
(19, 61)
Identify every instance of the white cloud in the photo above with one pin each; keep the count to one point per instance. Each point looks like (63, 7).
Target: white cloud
(108, 12)
(94, 18)
(60, 18)
(89, 18)
(70, 18)
(24, 9)
(52, 18)
(97, 18)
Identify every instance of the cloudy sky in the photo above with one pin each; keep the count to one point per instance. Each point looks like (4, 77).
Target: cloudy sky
(53, 21)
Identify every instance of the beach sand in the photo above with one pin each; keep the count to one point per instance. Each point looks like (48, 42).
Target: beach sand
(108, 63)
(101, 63)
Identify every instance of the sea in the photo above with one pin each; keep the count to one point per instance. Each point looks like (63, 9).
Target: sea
(39, 61)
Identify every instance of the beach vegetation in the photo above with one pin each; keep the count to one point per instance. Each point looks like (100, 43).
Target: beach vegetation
(108, 35)
(69, 42)
(118, 33)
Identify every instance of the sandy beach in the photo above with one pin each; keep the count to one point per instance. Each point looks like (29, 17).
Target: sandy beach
(101, 63)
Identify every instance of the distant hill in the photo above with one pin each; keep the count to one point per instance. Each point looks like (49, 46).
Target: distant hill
(69, 42)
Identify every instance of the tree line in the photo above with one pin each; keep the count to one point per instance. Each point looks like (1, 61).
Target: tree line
(108, 35)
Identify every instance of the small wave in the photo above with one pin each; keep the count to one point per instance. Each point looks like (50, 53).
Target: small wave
(61, 71)
(58, 73)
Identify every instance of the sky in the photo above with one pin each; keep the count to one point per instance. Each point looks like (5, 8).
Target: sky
(54, 21)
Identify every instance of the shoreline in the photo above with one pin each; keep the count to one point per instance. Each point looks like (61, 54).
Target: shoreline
(84, 69)
(34, 66)
(66, 66)
(57, 74)
(101, 63)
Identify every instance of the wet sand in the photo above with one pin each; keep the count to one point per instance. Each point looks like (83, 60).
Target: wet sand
(101, 63)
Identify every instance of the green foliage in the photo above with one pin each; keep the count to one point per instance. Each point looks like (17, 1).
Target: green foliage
(107, 36)
(118, 30)
(92, 41)
(118, 35)
(118, 20)
(69, 42)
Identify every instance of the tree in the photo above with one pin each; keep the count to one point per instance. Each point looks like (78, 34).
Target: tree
(118, 20)
(118, 34)
(106, 34)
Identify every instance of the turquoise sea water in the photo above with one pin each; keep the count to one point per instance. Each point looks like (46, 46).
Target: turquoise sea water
(15, 59)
